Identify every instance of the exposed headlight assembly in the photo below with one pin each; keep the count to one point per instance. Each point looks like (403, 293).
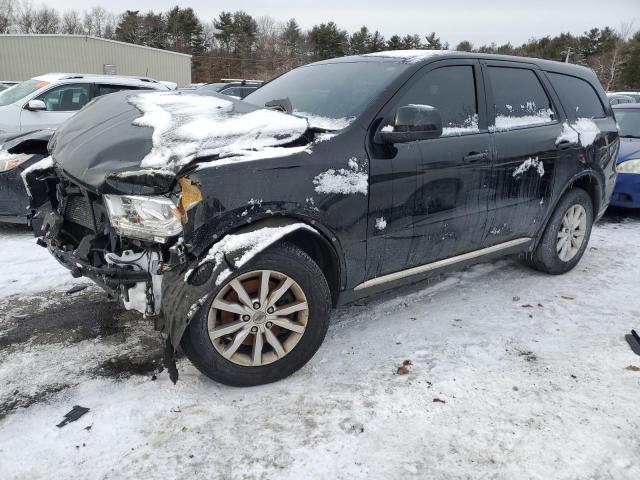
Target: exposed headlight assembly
(146, 218)
(630, 166)
(9, 161)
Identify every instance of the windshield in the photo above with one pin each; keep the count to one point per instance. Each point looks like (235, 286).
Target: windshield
(629, 122)
(330, 95)
(20, 91)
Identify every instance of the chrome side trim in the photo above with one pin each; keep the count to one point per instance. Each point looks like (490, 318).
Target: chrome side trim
(441, 263)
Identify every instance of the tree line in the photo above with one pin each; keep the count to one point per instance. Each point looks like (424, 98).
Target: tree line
(238, 45)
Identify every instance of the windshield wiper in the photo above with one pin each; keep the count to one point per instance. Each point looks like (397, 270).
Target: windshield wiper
(629, 136)
(282, 104)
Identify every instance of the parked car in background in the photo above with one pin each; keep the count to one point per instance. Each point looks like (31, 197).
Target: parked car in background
(39, 106)
(627, 191)
(4, 85)
(233, 88)
(238, 226)
(49, 100)
(618, 98)
(633, 94)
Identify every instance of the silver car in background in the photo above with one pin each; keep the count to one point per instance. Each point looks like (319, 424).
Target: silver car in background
(46, 101)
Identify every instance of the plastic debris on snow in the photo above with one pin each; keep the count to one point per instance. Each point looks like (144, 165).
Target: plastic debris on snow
(186, 126)
(250, 243)
(381, 223)
(583, 131)
(530, 163)
(344, 181)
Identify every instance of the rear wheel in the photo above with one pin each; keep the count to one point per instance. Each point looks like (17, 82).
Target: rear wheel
(264, 322)
(566, 236)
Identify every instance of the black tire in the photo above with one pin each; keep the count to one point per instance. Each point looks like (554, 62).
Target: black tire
(545, 257)
(296, 264)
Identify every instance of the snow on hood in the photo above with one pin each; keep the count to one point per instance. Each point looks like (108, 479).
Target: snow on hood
(186, 126)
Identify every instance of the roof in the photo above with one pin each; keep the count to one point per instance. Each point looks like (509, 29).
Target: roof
(91, 37)
(424, 56)
(124, 79)
(624, 106)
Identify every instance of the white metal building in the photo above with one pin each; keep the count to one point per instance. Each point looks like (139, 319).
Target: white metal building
(26, 56)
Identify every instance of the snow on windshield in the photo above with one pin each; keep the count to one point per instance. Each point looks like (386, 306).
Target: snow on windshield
(325, 123)
(187, 126)
(409, 56)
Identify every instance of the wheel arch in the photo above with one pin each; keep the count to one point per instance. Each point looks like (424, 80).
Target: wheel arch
(586, 180)
(315, 240)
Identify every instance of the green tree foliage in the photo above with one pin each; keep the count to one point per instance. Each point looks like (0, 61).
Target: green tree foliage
(327, 41)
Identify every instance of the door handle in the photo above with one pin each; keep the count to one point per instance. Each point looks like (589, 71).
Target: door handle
(475, 157)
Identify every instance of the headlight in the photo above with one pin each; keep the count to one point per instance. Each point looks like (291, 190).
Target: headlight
(144, 218)
(630, 166)
(9, 161)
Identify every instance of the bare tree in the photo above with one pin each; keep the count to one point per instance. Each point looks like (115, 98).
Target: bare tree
(6, 15)
(24, 17)
(46, 20)
(618, 55)
(71, 23)
(96, 21)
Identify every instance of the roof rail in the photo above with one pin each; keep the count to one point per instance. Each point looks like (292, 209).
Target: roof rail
(240, 80)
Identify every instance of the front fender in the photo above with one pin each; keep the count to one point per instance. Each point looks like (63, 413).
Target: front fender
(184, 292)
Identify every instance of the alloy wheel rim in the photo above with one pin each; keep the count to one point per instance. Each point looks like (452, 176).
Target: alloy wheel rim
(572, 233)
(258, 318)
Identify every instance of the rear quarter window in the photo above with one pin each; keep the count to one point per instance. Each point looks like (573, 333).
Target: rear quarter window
(577, 96)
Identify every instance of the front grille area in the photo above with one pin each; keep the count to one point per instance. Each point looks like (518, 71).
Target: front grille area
(77, 210)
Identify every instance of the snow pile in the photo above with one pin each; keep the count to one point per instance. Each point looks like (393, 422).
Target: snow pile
(249, 244)
(381, 223)
(530, 163)
(343, 181)
(535, 386)
(583, 131)
(409, 56)
(188, 126)
(28, 268)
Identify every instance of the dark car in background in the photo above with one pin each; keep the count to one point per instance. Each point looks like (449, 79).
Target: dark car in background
(233, 88)
(627, 191)
(4, 85)
(238, 227)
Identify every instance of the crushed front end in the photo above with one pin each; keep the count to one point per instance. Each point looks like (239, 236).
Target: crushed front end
(125, 243)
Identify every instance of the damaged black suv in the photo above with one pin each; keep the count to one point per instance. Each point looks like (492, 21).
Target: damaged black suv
(237, 225)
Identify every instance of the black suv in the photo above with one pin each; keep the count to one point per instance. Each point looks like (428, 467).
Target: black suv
(238, 227)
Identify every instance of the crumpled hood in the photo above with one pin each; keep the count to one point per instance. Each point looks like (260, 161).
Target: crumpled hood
(629, 148)
(133, 142)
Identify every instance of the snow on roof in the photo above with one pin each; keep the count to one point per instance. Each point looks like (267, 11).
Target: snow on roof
(186, 126)
(408, 55)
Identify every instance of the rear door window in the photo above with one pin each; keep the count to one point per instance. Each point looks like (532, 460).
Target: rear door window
(577, 95)
(67, 98)
(452, 90)
(519, 100)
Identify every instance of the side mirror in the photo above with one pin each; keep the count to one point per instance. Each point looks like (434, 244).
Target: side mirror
(413, 122)
(36, 106)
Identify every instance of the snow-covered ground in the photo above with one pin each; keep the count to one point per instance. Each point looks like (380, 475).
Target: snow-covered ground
(514, 374)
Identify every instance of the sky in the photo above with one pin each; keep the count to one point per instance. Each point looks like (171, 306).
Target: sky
(479, 21)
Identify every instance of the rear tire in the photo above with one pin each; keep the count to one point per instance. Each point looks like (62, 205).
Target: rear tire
(566, 236)
(286, 342)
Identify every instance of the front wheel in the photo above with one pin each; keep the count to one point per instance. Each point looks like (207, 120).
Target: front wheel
(264, 322)
(566, 236)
